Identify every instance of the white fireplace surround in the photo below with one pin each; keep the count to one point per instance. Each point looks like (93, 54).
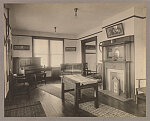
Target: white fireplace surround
(120, 76)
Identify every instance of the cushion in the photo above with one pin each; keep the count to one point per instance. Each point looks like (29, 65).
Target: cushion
(76, 71)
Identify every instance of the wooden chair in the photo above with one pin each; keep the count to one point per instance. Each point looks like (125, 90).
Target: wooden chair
(31, 78)
(140, 90)
(35, 74)
(41, 77)
(98, 77)
(86, 71)
(20, 86)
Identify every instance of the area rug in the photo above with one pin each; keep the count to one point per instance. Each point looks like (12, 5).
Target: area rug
(32, 109)
(54, 89)
(102, 111)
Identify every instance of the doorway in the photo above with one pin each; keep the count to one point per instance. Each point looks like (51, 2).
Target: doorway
(89, 55)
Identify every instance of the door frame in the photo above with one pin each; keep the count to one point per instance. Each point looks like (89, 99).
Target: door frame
(83, 42)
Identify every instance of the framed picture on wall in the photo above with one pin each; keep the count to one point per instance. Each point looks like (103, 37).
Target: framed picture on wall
(21, 47)
(70, 49)
(116, 30)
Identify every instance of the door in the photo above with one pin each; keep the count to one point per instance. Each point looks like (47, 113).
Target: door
(89, 55)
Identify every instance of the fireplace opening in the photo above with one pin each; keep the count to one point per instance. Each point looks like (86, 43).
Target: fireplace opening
(115, 81)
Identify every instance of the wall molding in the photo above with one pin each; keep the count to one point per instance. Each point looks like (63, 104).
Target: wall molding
(89, 35)
(43, 37)
(134, 16)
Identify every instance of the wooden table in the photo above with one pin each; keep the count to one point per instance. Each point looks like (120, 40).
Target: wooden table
(80, 82)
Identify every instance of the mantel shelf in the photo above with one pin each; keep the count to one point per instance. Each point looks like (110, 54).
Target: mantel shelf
(118, 61)
(114, 44)
(117, 41)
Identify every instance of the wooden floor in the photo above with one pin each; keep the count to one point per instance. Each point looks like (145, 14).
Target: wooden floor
(54, 107)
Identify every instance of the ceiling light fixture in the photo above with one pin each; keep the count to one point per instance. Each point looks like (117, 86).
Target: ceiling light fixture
(75, 10)
(55, 29)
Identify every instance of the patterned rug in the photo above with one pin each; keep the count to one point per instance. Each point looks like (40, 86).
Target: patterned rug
(102, 111)
(32, 109)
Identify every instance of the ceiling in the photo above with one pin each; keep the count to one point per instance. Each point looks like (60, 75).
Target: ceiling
(44, 17)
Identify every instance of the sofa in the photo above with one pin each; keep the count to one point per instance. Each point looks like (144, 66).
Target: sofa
(71, 68)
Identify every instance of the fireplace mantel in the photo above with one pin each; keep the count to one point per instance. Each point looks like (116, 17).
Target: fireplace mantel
(117, 57)
(112, 65)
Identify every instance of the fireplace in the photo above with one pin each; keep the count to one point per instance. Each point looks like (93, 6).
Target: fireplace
(118, 62)
(120, 71)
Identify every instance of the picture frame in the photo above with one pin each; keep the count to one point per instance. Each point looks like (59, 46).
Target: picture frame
(114, 31)
(90, 47)
(70, 48)
(21, 47)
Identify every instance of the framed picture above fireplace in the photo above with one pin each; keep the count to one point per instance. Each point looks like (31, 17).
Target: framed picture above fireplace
(116, 30)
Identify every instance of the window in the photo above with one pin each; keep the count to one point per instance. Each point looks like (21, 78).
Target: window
(56, 53)
(40, 49)
(50, 51)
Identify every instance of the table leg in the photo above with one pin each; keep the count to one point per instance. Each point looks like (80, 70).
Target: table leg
(96, 96)
(77, 91)
(35, 77)
(136, 98)
(62, 92)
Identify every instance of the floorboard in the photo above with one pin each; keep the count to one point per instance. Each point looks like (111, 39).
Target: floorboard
(54, 107)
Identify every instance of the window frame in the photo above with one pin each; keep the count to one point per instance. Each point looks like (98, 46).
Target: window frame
(49, 39)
